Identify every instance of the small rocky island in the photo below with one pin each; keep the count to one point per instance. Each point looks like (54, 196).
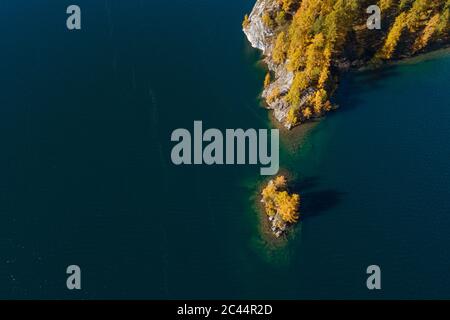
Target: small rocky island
(281, 207)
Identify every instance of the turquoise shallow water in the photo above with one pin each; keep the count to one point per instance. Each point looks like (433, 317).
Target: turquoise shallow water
(86, 176)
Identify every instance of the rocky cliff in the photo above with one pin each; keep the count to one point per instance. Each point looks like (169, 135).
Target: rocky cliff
(262, 37)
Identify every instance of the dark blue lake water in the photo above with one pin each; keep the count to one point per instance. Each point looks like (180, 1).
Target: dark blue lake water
(86, 176)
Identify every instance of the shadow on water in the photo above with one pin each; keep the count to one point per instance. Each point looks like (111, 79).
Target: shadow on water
(315, 202)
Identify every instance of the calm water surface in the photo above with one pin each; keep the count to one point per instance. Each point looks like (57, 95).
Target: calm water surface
(86, 177)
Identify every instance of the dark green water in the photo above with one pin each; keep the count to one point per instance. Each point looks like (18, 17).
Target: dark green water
(86, 177)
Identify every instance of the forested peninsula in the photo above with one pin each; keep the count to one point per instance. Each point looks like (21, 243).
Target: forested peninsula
(307, 43)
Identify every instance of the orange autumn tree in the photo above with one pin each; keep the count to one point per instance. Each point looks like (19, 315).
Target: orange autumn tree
(245, 22)
(278, 201)
(268, 196)
(267, 80)
(280, 182)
